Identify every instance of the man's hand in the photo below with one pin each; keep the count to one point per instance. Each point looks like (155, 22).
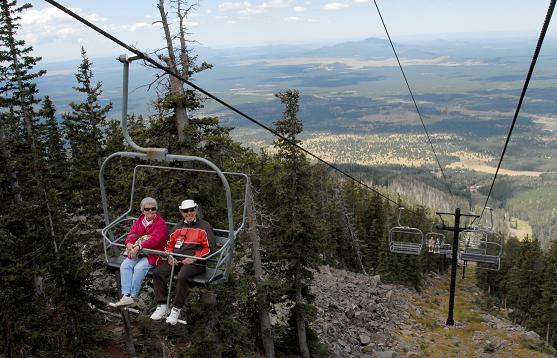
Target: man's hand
(171, 260)
(188, 261)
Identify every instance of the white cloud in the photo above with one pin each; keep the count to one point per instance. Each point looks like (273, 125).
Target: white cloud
(234, 5)
(246, 8)
(334, 6)
(137, 26)
(251, 11)
(292, 18)
(34, 17)
(50, 24)
(279, 3)
(299, 9)
(94, 18)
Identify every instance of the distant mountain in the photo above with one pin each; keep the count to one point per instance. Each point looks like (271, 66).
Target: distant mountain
(249, 76)
(369, 48)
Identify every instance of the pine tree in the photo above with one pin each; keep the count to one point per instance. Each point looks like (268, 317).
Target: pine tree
(84, 127)
(17, 98)
(525, 282)
(22, 228)
(53, 148)
(374, 227)
(54, 167)
(546, 307)
(295, 242)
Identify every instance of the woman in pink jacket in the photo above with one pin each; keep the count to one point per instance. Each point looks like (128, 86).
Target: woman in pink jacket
(148, 232)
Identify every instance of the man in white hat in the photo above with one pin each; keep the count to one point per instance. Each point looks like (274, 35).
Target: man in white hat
(193, 237)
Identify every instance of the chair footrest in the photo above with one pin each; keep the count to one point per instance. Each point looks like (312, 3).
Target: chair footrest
(488, 259)
(209, 276)
(406, 248)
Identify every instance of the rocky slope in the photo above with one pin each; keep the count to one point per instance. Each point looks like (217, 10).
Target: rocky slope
(359, 316)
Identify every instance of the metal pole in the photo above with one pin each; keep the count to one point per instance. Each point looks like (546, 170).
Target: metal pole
(128, 337)
(124, 121)
(450, 320)
(170, 282)
(153, 153)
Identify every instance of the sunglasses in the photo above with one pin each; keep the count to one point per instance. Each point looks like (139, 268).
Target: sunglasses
(149, 209)
(191, 210)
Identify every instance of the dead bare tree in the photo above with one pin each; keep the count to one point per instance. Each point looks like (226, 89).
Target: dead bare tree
(349, 221)
(176, 87)
(178, 57)
(262, 302)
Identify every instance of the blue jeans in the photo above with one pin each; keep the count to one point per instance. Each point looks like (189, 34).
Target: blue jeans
(132, 274)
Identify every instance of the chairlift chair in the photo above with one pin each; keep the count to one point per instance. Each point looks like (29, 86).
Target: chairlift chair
(481, 246)
(446, 250)
(404, 239)
(434, 240)
(115, 230)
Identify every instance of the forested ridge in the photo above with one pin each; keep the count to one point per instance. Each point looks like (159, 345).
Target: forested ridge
(52, 272)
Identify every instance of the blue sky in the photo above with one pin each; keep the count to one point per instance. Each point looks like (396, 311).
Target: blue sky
(56, 36)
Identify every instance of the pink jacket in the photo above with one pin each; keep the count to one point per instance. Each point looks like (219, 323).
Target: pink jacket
(157, 231)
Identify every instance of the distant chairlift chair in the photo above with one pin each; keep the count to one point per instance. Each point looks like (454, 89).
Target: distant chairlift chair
(482, 246)
(434, 240)
(479, 247)
(404, 239)
(446, 250)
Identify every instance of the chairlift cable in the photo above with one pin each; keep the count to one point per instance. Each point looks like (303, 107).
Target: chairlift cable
(523, 94)
(414, 100)
(215, 98)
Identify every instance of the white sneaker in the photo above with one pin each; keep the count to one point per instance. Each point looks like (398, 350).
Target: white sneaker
(160, 312)
(124, 301)
(173, 317)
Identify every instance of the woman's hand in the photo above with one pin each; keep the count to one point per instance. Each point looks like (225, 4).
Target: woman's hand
(132, 252)
(172, 261)
(129, 247)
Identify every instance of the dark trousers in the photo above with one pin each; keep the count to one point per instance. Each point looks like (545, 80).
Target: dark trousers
(183, 273)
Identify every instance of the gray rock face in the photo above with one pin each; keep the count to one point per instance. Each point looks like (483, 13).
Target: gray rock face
(357, 315)
(365, 339)
(531, 336)
(387, 354)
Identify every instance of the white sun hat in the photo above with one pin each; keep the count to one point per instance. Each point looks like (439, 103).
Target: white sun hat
(187, 204)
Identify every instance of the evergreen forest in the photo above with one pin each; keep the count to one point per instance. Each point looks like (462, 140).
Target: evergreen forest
(54, 283)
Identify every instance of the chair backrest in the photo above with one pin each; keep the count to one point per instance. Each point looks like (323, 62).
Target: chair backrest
(406, 240)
